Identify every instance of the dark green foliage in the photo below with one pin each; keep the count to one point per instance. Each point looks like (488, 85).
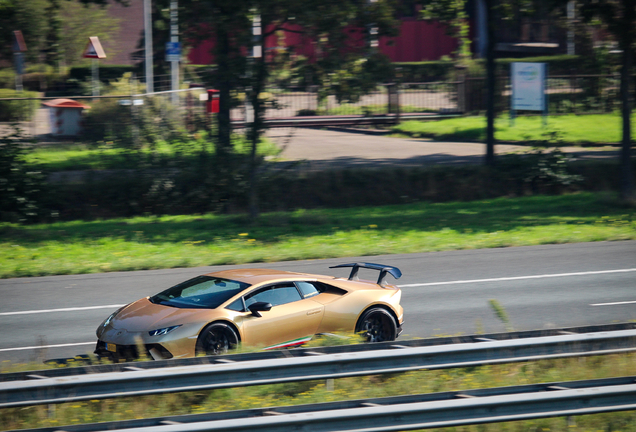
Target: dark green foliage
(199, 187)
(423, 71)
(557, 64)
(539, 170)
(107, 73)
(441, 70)
(17, 110)
(129, 126)
(21, 190)
(205, 185)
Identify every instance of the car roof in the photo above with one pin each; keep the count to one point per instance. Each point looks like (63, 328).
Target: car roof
(254, 276)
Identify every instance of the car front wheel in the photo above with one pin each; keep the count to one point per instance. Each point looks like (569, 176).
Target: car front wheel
(217, 338)
(377, 325)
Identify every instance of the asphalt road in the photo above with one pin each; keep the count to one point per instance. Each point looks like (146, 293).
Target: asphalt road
(444, 293)
(327, 149)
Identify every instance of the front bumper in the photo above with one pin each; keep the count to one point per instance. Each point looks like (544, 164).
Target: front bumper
(117, 352)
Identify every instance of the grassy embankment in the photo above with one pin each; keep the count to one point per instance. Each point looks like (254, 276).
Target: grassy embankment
(593, 129)
(187, 241)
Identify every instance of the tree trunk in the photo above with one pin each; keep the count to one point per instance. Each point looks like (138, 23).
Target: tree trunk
(627, 179)
(255, 129)
(258, 83)
(490, 84)
(224, 143)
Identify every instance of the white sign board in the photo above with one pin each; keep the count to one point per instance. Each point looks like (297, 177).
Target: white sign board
(528, 86)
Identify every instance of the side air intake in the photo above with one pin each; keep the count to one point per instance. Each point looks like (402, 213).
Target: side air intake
(383, 269)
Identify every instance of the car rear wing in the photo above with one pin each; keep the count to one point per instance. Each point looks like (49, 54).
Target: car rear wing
(384, 270)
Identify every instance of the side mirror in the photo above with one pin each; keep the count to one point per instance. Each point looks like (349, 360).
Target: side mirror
(258, 307)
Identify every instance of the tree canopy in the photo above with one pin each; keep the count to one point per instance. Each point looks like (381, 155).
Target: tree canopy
(54, 30)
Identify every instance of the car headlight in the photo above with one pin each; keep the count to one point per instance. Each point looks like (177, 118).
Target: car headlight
(110, 317)
(163, 331)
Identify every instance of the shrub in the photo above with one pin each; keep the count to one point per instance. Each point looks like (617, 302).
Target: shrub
(21, 189)
(424, 71)
(557, 64)
(106, 72)
(441, 70)
(17, 110)
(7, 78)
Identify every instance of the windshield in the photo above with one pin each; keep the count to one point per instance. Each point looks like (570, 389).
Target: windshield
(201, 292)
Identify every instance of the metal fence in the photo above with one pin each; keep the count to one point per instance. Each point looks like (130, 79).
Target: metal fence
(109, 117)
(185, 109)
(566, 94)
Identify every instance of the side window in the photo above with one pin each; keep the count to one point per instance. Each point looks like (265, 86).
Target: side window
(236, 305)
(308, 289)
(276, 295)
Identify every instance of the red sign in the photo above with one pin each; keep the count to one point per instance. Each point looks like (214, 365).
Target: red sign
(213, 101)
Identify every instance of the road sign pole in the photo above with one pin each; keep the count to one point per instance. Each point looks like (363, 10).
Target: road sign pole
(174, 38)
(148, 45)
(95, 70)
(18, 71)
(18, 48)
(94, 51)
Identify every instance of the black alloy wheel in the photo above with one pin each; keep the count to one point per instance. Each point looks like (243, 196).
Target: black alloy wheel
(377, 325)
(215, 339)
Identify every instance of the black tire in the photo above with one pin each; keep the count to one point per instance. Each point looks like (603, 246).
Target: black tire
(215, 339)
(377, 325)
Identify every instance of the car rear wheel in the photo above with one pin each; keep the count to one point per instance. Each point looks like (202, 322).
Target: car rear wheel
(377, 325)
(217, 338)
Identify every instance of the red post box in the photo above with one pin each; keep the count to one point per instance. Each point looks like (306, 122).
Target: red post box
(212, 105)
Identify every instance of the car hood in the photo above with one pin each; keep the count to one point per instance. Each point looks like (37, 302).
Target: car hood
(144, 315)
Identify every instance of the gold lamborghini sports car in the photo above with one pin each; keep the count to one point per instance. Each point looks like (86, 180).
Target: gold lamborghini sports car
(212, 313)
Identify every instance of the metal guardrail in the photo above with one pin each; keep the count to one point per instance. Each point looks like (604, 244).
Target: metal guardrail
(456, 408)
(229, 371)
(302, 352)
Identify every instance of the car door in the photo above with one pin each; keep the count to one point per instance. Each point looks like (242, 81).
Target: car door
(293, 318)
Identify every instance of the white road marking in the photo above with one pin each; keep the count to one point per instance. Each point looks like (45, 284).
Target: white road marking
(518, 278)
(401, 286)
(75, 309)
(47, 346)
(614, 303)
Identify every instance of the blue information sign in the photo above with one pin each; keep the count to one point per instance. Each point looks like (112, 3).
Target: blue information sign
(173, 51)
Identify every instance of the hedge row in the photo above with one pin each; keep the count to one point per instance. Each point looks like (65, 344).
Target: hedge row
(106, 72)
(18, 110)
(440, 70)
(42, 80)
(200, 190)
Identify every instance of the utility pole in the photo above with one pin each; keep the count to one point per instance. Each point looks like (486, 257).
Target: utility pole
(253, 108)
(148, 45)
(174, 39)
(571, 11)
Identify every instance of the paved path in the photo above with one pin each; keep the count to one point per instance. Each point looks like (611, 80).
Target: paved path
(319, 149)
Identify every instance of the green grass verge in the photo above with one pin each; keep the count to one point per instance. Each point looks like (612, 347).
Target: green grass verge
(416, 382)
(566, 129)
(78, 156)
(140, 243)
